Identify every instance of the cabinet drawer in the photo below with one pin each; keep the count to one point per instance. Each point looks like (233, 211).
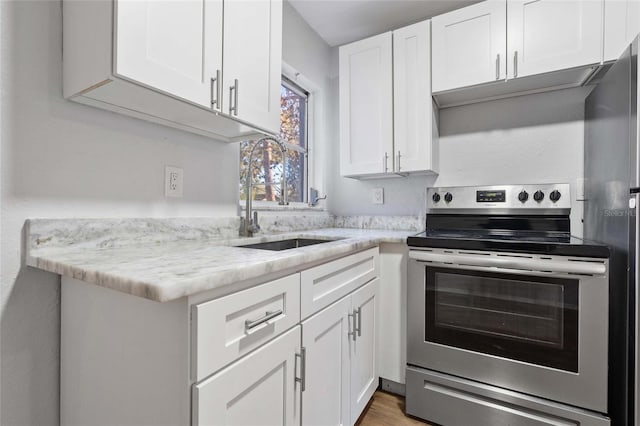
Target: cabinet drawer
(231, 326)
(324, 284)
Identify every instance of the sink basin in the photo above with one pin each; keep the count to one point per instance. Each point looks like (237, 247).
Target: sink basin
(286, 244)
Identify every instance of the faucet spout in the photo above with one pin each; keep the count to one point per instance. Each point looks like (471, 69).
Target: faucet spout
(249, 225)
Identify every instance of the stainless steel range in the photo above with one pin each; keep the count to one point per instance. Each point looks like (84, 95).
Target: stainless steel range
(507, 312)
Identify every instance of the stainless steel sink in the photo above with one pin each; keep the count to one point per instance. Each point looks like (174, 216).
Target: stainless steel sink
(286, 244)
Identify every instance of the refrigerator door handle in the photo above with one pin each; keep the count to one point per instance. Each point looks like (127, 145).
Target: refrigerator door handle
(634, 258)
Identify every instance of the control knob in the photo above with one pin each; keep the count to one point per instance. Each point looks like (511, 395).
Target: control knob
(555, 195)
(448, 197)
(435, 197)
(538, 196)
(523, 196)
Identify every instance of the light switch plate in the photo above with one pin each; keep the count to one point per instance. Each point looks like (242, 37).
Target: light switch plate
(378, 196)
(173, 179)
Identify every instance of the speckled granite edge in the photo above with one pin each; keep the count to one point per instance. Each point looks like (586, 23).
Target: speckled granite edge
(164, 272)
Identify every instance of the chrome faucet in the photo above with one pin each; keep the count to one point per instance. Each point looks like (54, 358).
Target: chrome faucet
(249, 225)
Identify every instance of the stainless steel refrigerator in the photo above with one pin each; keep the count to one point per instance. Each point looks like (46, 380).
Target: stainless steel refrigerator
(612, 189)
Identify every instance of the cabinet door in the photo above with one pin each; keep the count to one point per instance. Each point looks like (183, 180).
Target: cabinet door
(325, 335)
(550, 35)
(364, 365)
(412, 104)
(469, 45)
(258, 389)
(366, 107)
(172, 46)
(621, 26)
(253, 58)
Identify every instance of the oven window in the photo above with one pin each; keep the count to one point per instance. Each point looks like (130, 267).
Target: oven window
(525, 318)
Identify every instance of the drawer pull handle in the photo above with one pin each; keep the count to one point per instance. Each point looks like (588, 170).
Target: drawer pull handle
(353, 333)
(248, 324)
(303, 368)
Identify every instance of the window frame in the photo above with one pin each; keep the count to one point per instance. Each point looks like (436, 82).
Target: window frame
(314, 99)
(300, 91)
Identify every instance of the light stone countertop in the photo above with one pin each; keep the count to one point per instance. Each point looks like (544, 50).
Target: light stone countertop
(170, 270)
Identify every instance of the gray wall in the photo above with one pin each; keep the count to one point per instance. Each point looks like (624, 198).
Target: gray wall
(61, 159)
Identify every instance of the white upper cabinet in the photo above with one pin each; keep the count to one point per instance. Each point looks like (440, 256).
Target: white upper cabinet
(469, 46)
(366, 106)
(551, 35)
(253, 61)
(388, 123)
(472, 46)
(165, 61)
(414, 119)
(163, 44)
(621, 26)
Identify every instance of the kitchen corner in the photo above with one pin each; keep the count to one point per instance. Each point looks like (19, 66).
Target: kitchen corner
(229, 311)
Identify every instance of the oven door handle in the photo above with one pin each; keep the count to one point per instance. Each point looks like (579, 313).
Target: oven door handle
(538, 265)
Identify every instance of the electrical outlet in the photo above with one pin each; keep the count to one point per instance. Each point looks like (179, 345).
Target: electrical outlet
(378, 195)
(173, 177)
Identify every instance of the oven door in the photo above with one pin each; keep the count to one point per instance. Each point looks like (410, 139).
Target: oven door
(528, 323)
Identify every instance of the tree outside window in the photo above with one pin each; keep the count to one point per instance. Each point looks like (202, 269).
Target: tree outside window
(268, 166)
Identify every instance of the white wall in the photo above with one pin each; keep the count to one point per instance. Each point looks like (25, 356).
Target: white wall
(308, 54)
(61, 159)
(528, 139)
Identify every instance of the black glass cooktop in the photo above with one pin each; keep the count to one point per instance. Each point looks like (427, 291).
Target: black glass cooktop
(518, 235)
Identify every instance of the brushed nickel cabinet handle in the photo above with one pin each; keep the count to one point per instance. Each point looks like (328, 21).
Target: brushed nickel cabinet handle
(355, 327)
(216, 82)
(248, 324)
(233, 98)
(303, 368)
(359, 313)
(515, 63)
(385, 160)
(399, 155)
(498, 66)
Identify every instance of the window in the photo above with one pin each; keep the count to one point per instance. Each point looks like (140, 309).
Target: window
(268, 166)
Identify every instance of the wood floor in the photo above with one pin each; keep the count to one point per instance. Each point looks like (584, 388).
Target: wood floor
(386, 409)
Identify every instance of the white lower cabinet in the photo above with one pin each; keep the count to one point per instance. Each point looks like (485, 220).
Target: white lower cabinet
(341, 359)
(325, 400)
(364, 371)
(224, 357)
(260, 388)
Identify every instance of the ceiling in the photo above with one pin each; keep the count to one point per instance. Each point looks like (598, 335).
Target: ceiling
(343, 21)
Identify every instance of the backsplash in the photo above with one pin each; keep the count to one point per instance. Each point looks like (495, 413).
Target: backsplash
(113, 233)
(395, 223)
(110, 233)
